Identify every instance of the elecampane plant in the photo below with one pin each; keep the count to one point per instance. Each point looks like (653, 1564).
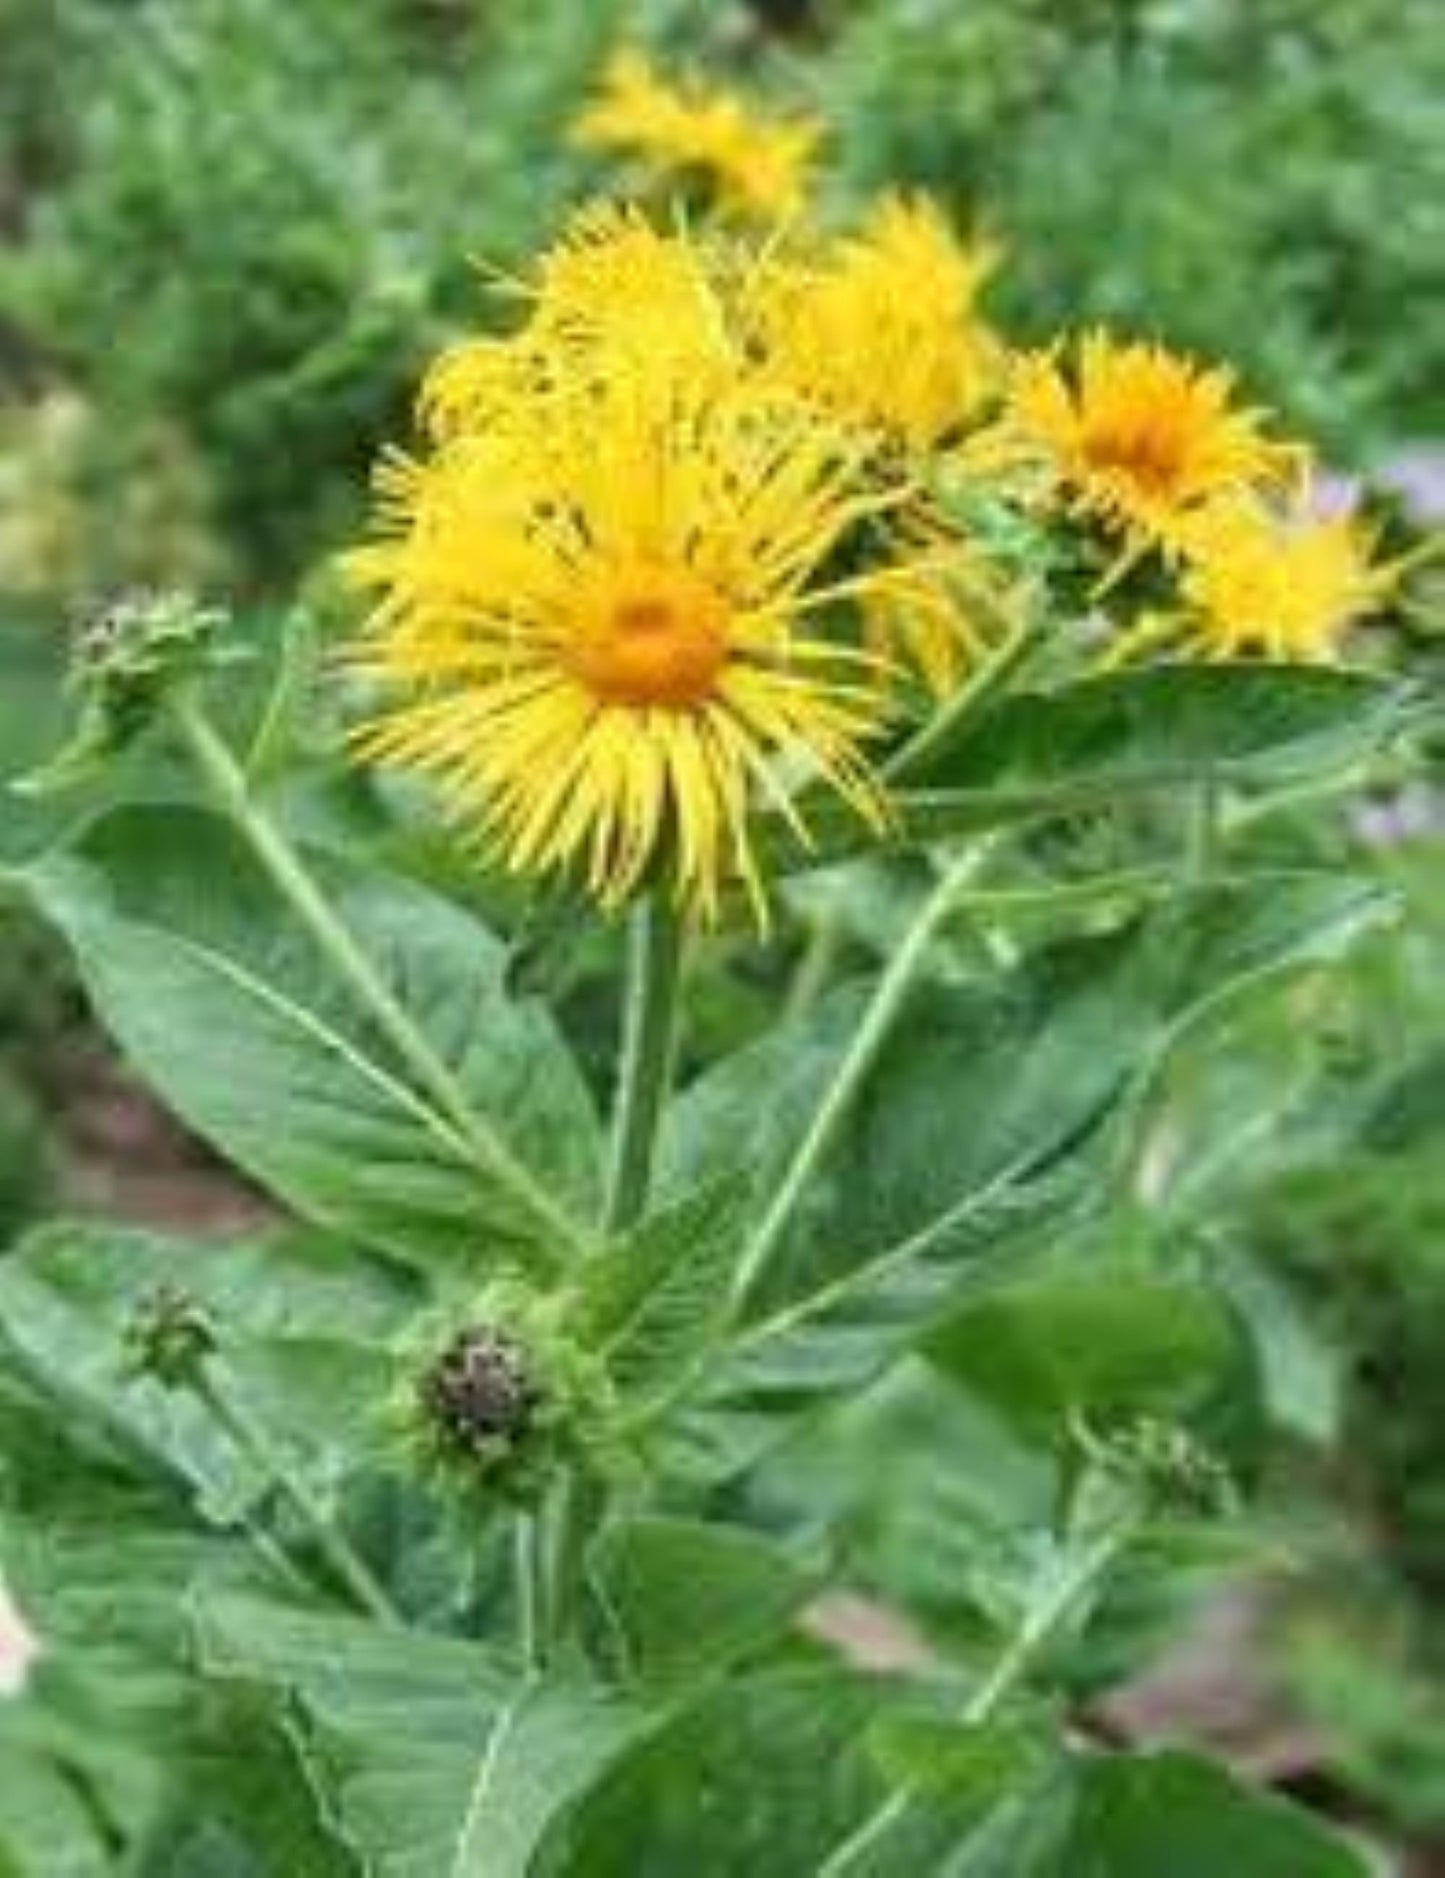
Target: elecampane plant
(743, 596)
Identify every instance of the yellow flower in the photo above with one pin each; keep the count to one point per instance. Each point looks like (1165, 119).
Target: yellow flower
(1286, 586)
(611, 285)
(607, 630)
(753, 165)
(1139, 437)
(883, 330)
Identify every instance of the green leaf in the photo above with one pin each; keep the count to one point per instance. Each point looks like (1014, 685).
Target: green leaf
(654, 1303)
(953, 1782)
(981, 1128)
(228, 1009)
(756, 1779)
(431, 1757)
(301, 1328)
(48, 1822)
(1139, 1814)
(1300, 1372)
(679, 1598)
(1106, 1816)
(1090, 1343)
(1034, 756)
(1164, 723)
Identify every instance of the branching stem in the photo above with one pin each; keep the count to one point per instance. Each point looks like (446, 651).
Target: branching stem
(1083, 1569)
(250, 1439)
(649, 1035)
(300, 889)
(852, 1072)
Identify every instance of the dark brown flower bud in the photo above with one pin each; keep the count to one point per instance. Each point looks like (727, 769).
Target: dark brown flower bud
(480, 1393)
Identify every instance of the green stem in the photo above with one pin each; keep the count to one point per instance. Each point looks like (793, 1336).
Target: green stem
(1038, 1629)
(964, 704)
(250, 1439)
(576, 1511)
(296, 884)
(648, 1039)
(527, 1560)
(1204, 829)
(878, 1020)
(815, 967)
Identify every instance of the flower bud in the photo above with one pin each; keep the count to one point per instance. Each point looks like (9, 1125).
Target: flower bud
(170, 1337)
(1164, 1465)
(497, 1400)
(480, 1392)
(124, 660)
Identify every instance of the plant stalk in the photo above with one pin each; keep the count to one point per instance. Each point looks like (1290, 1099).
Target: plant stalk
(1041, 1623)
(872, 1033)
(250, 1439)
(290, 875)
(528, 1578)
(649, 1036)
(968, 700)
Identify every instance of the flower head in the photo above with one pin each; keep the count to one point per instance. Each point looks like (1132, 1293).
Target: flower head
(612, 286)
(753, 165)
(615, 620)
(1285, 585)
(495, 1397)
(882, 330)
(1140, 438)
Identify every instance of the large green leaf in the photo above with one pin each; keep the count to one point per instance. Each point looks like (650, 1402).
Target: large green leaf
(756, 1779)
(226, 1006)
(1164, 723)
(679, 1598)
(1032, 756)
(977, 1128)
(301, 1325)
(433, 1758)
(1097, 1341)
(1117, 1816)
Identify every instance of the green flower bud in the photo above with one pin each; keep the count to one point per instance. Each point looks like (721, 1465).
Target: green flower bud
(1164, 1465)
(124, 661)
(496, 1400)
(170, 1337)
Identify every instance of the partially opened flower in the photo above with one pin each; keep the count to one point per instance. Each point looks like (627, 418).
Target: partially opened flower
(882, 329)
(609, 629)
(612, 286)
(752, 164)
(1288, 586)
(1140, 438)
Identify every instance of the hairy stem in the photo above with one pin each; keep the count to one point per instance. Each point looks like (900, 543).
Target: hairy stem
(530, 1590)
(968, 700)
(648, 1038)
(1083, 1569)
(852, 1072)
(576, 1510)
(299, 888)
(250, 1439)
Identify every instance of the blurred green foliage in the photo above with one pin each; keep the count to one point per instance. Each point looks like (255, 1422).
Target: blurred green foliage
(1261, 179)
(258, 216)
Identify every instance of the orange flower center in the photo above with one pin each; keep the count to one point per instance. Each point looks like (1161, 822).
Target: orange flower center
(1150, 455)
(654, 636)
